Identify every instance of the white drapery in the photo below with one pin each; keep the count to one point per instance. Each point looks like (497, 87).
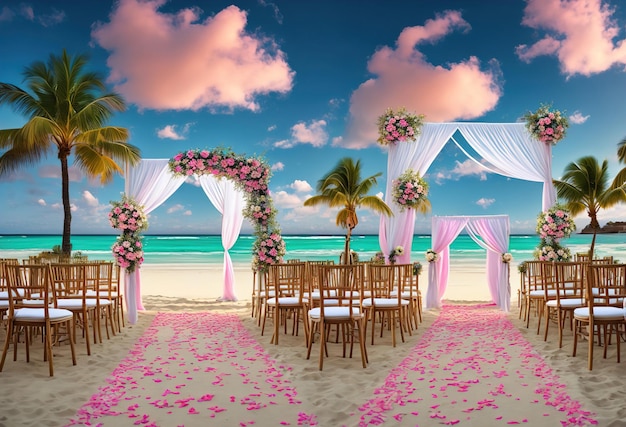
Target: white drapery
(229, 202)
(151, 183)
(491, 233)
(508, 147)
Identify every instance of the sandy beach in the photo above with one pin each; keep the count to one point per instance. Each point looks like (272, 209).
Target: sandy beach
(157, 371)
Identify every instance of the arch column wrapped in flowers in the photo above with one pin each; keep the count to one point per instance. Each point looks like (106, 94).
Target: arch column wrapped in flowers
(251, 175)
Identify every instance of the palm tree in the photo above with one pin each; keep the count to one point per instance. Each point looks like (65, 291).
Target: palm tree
(621, 156)
(66, 107)
(343, 187)
(584, 186)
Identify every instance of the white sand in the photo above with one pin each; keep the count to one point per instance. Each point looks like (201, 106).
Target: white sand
(30, 398)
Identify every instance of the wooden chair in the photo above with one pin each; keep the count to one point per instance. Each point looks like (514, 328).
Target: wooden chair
(341, 289)
(99, 284)
(604, 314)
(409, 283)
(381, 305)
(290, 298)
(534, 289)
(32, 305)
(568, 282)
(70, 289)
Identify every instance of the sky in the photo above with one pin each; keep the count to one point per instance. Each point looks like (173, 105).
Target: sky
(301, 83)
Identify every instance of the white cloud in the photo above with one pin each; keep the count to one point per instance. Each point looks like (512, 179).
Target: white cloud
(313, 133)
(403, 77)
(577, 118)
(187, 213)
(90, 199)
(187, 62)
(580, 33)
(170, 132)
(278, 166)
(175, 208)
(484, 202)
(41, 202)
(301, 186)
(53, 171)
(286, 200)
(469, 168)
(271, 128)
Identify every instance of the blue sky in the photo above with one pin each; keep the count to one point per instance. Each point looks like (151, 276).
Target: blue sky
(302, 82)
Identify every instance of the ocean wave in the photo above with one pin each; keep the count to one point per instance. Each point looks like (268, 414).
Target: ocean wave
(177, 238)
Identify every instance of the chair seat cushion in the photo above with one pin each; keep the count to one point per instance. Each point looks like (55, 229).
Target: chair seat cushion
(384, 302)
(566, 303)
(334, 313)
(286, 301)
(5, 294)
(35, 314)
(601, 313)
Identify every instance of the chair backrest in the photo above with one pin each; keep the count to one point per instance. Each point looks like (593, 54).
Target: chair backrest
(288, 279)
(380, 279)
(343, 284)
(606, 285)
(68, 280)
(581, 256)
(3, 273)
(533, 275)
(569, 280)
(29, 286)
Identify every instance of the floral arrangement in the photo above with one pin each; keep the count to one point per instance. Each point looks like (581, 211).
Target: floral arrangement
(378, 258)
(128, 251)
(417, 268)
(552, 252)
(394, 126)
(507, 258)
(547, 125)
(395, 252)
(522, 267)
(409, 190)
(554, 224)
(251, 175)
(432, 256)
(267, 250)
(127, 215)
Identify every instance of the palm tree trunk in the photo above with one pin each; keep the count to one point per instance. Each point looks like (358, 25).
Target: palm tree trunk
(66, 245)
(347, 256)
(593, 244)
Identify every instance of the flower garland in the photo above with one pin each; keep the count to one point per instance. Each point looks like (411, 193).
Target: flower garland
(409, 190)
(395, 126)
(128, 216)
(431, 256)
(251, 175)
(128, 251)
(395, 252)
(507, 258)
(555, 224)
(547, 125)
(522, 267)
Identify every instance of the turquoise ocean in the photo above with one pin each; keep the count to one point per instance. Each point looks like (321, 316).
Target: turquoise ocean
(207, 249)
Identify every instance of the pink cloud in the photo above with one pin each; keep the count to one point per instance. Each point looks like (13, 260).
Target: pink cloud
(404, 78)
(580, 33)
(173, 61)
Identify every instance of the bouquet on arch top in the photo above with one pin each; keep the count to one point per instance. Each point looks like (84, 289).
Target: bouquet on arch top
(395, 126)
(547, 125)
(127, 215)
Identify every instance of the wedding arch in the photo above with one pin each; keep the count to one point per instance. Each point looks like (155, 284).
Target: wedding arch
(237, 188)
(490, 232)
(508, 148)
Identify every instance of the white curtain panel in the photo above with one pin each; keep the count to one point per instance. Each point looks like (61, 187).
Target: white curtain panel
(150, 183)
(444, 231)
(229, 201)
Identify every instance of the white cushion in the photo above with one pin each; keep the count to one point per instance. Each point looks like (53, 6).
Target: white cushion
(601, 313)
(384, 302)
(567, 303)
(34, 314)
(335, 313)
(291, 301)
